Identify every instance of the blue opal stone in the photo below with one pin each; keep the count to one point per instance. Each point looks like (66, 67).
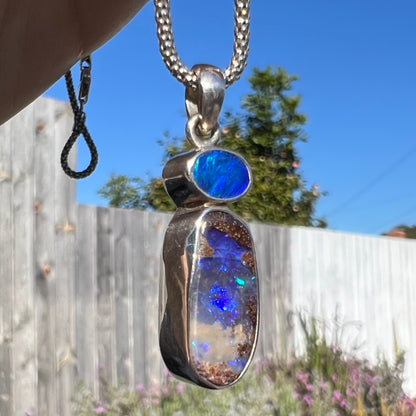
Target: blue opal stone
(221, 174)
(223, 295)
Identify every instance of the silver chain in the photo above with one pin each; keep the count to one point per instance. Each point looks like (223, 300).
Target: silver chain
(170, 56)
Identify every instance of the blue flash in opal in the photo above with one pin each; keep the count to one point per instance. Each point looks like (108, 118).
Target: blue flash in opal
(223, 297)
(221, 174)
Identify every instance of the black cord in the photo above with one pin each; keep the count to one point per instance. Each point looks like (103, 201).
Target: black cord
(79, 126)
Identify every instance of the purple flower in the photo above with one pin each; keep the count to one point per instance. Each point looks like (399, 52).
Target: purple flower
(261, 365)
(355, 376)
(323, 384)
(351, 393)
(334, 378)
(369, 380)
(145, 401)
(307, 398)
(140, 388)
(100, 410)
(155, 390)
(336, 397)
(179, 388)
(303, 377)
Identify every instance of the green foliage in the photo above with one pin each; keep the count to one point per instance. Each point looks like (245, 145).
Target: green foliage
(123, 192)
(266, 133)
(323, 381)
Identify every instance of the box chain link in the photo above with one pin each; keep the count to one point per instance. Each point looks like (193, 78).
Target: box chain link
(170, 56)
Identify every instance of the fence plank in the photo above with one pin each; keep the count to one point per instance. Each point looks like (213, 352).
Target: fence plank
(86, 297)
(272, 252)
(24, 366)
(105, 296)
(153, 233)
(123, 297)
(65, 228)
(139, 307)
(6, 272)
(45, 262)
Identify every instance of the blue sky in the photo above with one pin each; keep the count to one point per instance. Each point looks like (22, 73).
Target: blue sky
(356, 60)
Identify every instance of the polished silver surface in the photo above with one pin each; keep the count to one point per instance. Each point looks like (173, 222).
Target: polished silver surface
(203, 106)
(197, 138)
(174, 336)
(170, 55)
(180, 184)
(206, 100)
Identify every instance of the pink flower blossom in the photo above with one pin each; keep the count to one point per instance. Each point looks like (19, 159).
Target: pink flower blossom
(334, 378)
(140, 388)
(307, 398)
(179, 388)
(323, 384)
(303, 377)
(155, 390)
(336, 397)
(100, 410)
(369, 380)
(145, 401)
(351, 393)
(355, 376)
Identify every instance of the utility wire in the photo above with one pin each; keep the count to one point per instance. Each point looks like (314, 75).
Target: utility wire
(372, 183)
(399, 217)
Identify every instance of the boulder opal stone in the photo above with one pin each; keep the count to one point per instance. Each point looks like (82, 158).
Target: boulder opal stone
(221, 174)
(223, 296)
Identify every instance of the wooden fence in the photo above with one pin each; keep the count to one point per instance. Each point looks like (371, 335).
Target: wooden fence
(79, 284)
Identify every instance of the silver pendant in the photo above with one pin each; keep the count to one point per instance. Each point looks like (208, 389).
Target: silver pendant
(210, 316)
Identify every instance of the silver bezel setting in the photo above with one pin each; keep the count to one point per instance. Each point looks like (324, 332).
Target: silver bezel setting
(182, 187)
(175, 324)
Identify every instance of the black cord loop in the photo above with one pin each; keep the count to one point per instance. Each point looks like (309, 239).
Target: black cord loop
(79, 126)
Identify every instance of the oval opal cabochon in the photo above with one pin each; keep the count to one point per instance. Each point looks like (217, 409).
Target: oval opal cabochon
(223, 296)
(221, 174)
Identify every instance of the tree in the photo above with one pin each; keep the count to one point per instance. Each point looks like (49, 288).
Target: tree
(408, 230)
(265, 132)
(122, 191)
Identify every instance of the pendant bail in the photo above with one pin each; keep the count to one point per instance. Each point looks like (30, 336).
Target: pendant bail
(206, 99)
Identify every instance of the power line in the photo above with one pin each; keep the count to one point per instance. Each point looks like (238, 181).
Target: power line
(372, 183)
(397, 218)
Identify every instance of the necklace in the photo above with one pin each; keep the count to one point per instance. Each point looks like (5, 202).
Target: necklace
(209, 301)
